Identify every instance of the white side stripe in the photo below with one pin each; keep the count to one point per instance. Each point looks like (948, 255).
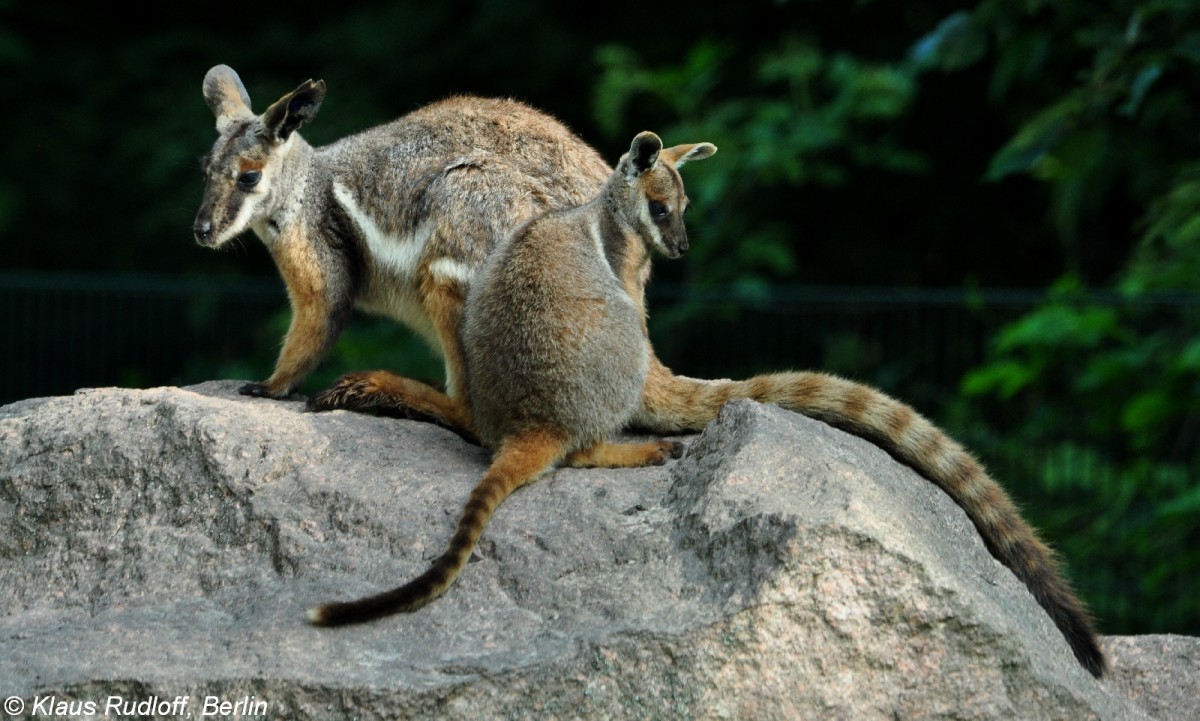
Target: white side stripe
(447, 269)
(399, 254)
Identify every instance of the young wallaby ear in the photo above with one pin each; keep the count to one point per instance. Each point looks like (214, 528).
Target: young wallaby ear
(226, 96)
(292, 110)
(681, 154)
(643, 153)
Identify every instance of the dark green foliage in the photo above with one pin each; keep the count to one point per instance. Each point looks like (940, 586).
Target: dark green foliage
(1110, 380)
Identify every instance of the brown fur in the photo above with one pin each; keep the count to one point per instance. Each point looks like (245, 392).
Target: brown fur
(308, 333)
(625, 455)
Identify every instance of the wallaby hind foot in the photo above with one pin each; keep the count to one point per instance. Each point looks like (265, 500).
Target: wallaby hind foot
(384, 393)
(626, 455)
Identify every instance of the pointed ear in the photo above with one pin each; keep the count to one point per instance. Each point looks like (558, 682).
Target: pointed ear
(226, 96)
(292, 110)
(642, 155)
(681, 154)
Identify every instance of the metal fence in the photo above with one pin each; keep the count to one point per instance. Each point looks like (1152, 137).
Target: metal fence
(63, 332)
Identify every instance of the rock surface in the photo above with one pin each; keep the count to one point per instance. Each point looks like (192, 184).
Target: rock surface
(165, 543)
(1160, 673)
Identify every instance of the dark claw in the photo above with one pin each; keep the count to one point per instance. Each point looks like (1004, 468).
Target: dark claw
(258, 390)
(677, 449)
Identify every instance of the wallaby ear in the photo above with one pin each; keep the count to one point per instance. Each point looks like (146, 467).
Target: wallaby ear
(226, 96)
(681, 154)
(643, 153)
(292, 110)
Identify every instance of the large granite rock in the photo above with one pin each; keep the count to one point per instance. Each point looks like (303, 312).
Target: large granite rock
(165, 543)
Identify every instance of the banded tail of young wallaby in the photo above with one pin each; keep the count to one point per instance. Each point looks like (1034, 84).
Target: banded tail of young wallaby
(557, 351)
(674, 403)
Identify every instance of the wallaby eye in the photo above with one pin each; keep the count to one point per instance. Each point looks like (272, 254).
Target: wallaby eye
(248, 179)
(658, 210)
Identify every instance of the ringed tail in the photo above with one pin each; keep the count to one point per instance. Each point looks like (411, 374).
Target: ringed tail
(674, 403)
(518, 461)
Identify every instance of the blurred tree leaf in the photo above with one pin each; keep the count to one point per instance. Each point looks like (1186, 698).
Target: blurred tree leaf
(1035, 141)
(956, 43)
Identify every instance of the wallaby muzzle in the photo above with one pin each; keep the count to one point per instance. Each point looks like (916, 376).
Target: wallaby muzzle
(202, 229)
(202, 226)
(675, 242)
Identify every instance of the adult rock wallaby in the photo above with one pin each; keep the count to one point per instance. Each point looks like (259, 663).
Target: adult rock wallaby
(398, 220)
(556, 348)
(394, 220)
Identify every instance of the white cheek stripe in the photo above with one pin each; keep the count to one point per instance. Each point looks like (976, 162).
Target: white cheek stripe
(245, 214)
(648, 226)
(399, 254)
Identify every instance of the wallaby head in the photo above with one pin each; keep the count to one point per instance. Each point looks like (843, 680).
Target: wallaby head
(649, 191)
(244, 173)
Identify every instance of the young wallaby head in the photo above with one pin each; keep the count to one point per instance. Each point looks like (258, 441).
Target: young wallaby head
(649, 191)
(242, 174)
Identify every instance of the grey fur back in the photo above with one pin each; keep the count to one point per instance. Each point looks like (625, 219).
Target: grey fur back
(422, 164)
(552, 339)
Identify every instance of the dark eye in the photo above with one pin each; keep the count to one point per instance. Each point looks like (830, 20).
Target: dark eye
(248, 179)
(658, 210)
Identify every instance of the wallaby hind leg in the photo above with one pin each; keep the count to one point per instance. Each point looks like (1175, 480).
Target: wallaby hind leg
(626, 455)
(385, 393)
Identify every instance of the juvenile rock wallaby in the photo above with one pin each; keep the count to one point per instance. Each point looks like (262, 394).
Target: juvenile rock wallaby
(399, 219)
(557, 351)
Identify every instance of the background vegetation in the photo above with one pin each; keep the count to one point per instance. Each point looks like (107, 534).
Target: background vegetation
(1018, 144)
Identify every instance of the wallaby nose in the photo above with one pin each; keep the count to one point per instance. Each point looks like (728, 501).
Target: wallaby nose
(202, 229)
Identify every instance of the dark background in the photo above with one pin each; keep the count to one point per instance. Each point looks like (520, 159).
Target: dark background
(987, 209)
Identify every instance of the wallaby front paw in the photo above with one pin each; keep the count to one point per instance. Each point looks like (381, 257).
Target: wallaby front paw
(260, 390)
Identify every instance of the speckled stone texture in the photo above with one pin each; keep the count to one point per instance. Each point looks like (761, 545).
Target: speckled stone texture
(166, 542)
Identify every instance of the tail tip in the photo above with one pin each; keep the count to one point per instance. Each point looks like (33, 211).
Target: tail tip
(1095, 662)
(1085, 644)
(318, 615)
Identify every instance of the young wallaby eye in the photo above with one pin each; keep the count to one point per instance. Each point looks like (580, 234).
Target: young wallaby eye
(658, 210)
(248, 179)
